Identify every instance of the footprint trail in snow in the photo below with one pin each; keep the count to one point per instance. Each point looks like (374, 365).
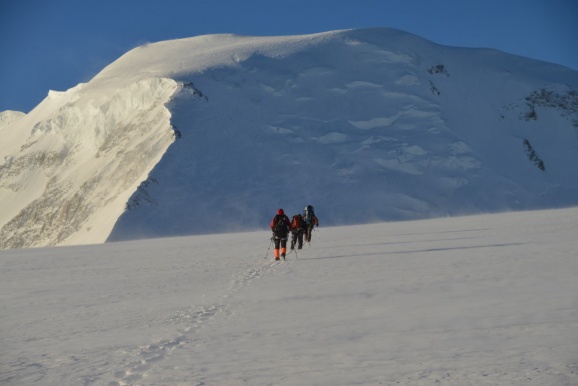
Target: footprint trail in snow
(138, 361)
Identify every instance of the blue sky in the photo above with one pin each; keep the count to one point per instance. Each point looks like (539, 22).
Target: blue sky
(56, 44)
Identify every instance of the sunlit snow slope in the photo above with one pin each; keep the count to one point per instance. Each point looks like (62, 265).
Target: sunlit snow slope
(214, 133)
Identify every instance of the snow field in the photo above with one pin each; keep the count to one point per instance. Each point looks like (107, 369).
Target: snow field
(479, 300)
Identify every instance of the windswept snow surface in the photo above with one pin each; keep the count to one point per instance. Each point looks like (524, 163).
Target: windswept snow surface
(212, 134)
(479, 300)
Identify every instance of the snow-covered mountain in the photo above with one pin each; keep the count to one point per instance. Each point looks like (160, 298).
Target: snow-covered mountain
(214, 133)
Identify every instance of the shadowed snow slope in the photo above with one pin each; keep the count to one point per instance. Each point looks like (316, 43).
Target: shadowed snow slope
(214, 133)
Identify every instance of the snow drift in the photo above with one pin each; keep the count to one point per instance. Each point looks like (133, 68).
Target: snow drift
(214, 133)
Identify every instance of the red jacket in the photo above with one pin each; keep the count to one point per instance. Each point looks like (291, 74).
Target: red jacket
(287, 222)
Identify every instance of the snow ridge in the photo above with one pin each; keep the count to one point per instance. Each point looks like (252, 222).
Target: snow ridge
(84, 161)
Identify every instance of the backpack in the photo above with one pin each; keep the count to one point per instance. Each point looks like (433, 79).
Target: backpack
(309, 214)
(280, 226)
(297, 221)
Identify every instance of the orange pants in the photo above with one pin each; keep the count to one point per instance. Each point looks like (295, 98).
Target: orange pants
(282, 245)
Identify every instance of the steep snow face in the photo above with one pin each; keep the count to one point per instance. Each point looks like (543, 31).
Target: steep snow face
(366, 125)
(71, 175)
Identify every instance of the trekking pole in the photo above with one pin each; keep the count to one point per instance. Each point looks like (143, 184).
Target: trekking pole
(270, 243)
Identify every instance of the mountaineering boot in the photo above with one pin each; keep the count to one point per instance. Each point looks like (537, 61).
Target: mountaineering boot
(276, 252)
(283, 252)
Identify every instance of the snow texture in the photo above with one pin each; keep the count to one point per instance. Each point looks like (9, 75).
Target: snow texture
(476, 300)
(212, 134)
